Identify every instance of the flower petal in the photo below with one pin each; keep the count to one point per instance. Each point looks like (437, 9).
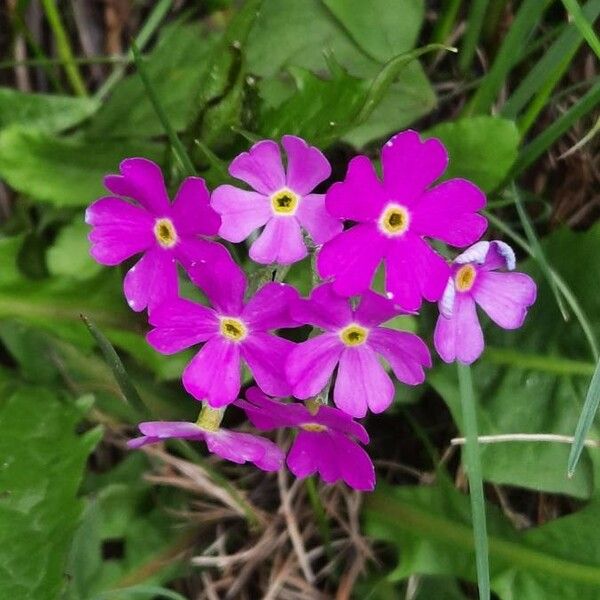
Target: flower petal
(171, 429)
(362, 382)
(271, 307)
(214, 373)
(406, 353)
(311, 363)
(267, 414)
(374, 309)
(180, 324)
(412, 271)
(280, 242)
(241, 211)
(448, 212)
(260, 167)
(351, 258)
(266, 356)
(192, 213)
(460, 336)
(499, 256)
(120, 230)
(240, 447)
(212, 269)
(141, 180)
(306, 165)
(361, 196)
(152, 280)
(505, 297)
(337, 419)
(411, 165)
(324, 309)
(313, 216)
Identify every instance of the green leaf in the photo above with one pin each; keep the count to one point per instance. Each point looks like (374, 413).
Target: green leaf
(175, 70)
(69, 256)
(482, 149)
(430, 527)
(63, 171)
(43, 460)
(44, 112)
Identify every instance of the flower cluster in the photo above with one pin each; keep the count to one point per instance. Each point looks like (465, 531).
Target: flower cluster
(359, 224)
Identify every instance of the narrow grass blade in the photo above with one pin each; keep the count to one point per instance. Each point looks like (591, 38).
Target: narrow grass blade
(64, 47)
(586, 419)
(213, 160)
(583, 141)
(475, 20)
(530, 153)
(143, 37)
(113, 360)
(548, 70)
(473, 463)
(538, 362)
(584, 26)
(513, 47)
(388, 74)
(560, 282)
(445, 22)
(178, 147)
(538, 252)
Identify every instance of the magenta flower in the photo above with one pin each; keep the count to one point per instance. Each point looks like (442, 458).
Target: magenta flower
(505, 297)
(283, 201)
(325, 442)
(231, 445)
(354, 341)
(393, 216)
(163, 232)
(230, 332)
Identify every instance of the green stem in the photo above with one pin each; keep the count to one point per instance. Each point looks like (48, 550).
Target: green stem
(473, 464)
(64, 47)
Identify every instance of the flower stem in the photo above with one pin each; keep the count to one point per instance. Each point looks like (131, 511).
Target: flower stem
(210, 418)
(473, 464)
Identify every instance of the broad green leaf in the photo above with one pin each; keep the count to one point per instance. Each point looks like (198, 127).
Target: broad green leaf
(63, 171)
(431, 528)
(175, 68)
(482, 149)
(69, 256)
(43, 460)
(43, 112)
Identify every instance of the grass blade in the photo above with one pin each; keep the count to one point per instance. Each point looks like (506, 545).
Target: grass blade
(583, 25)
(586, 419)
(178, 147)
(63, 47)
(530, 153)
(513, 46)
(474, 25)
(538, 252)
(538, 362)
(551, 66)
(473, 463)
(113, 360)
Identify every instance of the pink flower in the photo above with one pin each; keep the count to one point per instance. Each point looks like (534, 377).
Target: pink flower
(325, 441)
(231, 445)
(163, 232)
(393, 216)
(505, 297)
(283, 201)
(230, 332)
(353, 340)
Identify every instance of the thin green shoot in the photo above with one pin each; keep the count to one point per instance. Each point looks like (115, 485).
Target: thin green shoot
(585, 27)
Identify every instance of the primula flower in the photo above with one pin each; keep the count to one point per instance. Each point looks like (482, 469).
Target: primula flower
(394, 215)
(353, 340)
(325, 442)
(234, 446)
(232, 332)
(283, 201)
(164, 232)
(505, 297)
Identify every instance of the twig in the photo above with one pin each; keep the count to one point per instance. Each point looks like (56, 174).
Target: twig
(525, 437)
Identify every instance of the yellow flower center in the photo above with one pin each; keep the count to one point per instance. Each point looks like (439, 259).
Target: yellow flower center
(465, 278)
(394, 220)
(164, 232)
(354, 335)
(233, 329)
(313, 427)
(284, 202)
